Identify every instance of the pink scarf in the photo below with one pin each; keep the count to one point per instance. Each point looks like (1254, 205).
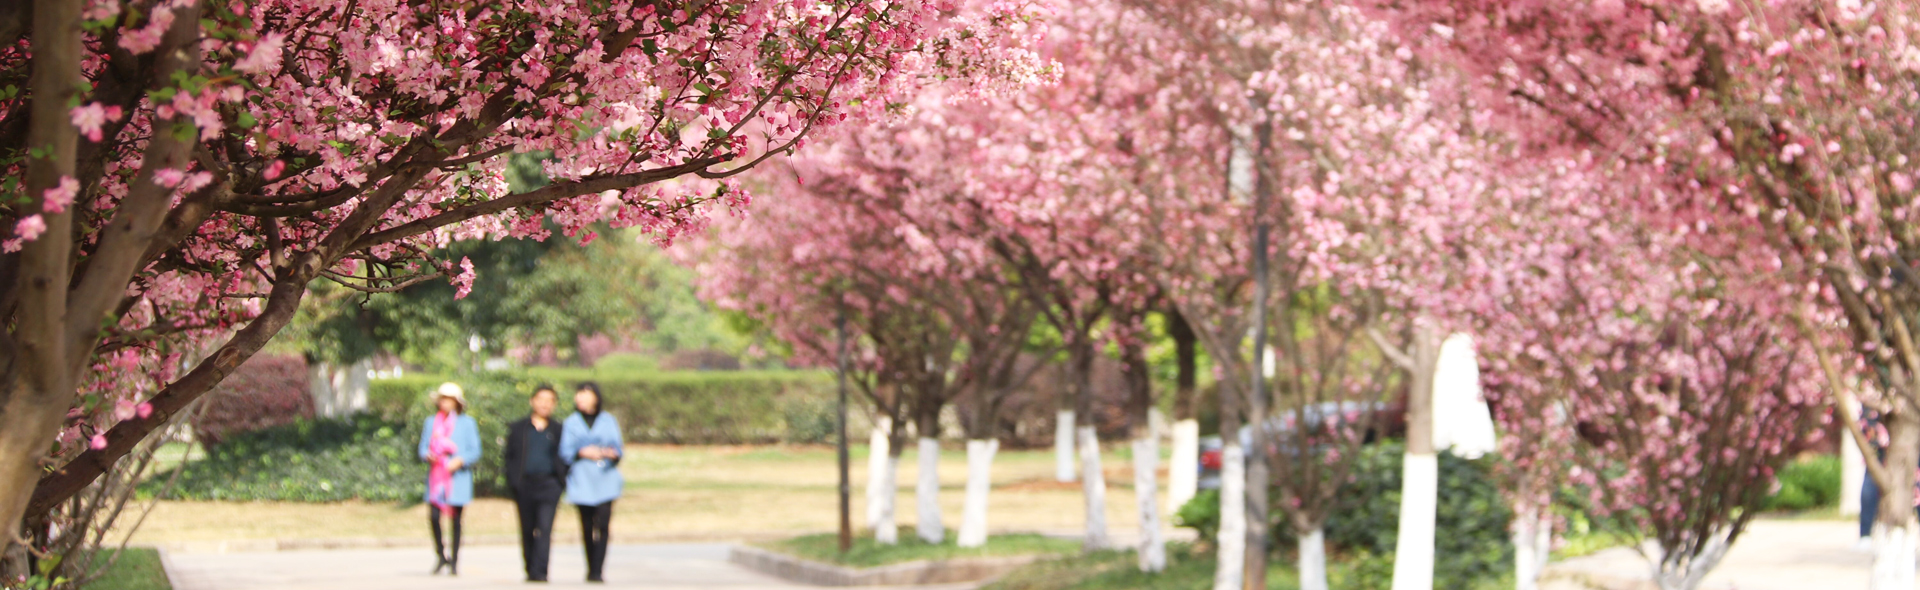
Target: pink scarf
(441, 448)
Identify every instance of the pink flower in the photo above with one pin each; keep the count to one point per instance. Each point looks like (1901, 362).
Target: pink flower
(463, 282)
(273, 170)
(265, 55)
(91, 116)
(143, 410)
(59, 197)
(98, 442)
(123, 410)
(169, 177)
(30, 228)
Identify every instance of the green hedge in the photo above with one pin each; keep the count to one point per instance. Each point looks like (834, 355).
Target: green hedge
(1473, 543)
(310, 460)
(1808, 483)
(686, 407)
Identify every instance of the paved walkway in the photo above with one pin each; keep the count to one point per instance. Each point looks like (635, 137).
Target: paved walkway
(1770, 555)
(650, 567)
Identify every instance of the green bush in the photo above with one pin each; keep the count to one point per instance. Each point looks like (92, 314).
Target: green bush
(681, 407)
(311, 460)
(1472, 517)
(1806, 484)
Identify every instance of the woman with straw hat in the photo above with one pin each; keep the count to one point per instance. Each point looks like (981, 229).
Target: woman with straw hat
(450, 443)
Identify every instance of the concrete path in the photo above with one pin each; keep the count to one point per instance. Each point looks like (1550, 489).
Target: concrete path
(650, 567)
(1770, 555)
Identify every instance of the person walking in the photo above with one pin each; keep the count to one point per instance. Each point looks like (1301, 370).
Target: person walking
(536, 476)
(450, 444)
(590, 444)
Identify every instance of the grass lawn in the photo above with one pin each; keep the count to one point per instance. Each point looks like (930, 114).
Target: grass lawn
(866, 553)
(137, 569)
(681, 493)
(1188, 568)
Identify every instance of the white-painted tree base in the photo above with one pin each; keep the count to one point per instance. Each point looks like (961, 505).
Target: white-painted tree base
(1146, 466)
(1532, 545)
(1063, 433)
(886, 529)
(1313, 560)
(1231, 547)
(1183, 471)
(877, 454)
(926, 494)
(1094, 483)
(1419, 501)
(1696, 569)
(1853, 473)
(973, 514)
(1893, 556)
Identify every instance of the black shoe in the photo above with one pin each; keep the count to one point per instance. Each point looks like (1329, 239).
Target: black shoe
(536, 580)
(439, 566)
(595, 580)
(453, 568)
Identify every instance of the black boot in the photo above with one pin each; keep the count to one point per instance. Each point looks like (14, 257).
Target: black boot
(439, 549)
(453, 555)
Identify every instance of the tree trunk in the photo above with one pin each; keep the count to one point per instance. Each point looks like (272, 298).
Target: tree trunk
(1420, 481)
(1694, 571)
(877, 454)
(973, 514)
(1313, 559)
(1532, 544)
(1094, 483)
(1895, 534)
(926, 494)
(886, 528)
(1063, 433)
(1230, 572)
(1853, 472)
(1146, 465)
(1183, 472)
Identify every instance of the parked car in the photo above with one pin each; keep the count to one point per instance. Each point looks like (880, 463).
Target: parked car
(1389, 420)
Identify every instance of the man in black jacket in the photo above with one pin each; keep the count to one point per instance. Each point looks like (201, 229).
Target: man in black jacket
(537, 477)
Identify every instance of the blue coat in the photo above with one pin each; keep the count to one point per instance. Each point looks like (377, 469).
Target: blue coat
(591, 482)
(466, 436)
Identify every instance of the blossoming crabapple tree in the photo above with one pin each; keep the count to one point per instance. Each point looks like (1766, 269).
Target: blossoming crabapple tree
(177, 167)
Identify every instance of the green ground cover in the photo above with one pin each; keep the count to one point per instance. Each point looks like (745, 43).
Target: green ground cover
(867, 553)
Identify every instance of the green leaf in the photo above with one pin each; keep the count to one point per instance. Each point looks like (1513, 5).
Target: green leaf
(245, 120)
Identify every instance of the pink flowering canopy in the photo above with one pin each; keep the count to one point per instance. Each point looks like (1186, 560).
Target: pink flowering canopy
(252, 147)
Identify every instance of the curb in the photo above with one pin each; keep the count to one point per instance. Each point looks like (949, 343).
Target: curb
(922, 572)
(166, 567)
(349, 543)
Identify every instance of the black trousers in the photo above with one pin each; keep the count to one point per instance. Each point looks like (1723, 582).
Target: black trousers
(594, 522)
(536, 532)
(449, 552)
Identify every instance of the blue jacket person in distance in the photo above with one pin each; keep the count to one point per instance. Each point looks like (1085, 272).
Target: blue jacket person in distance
(590, 443)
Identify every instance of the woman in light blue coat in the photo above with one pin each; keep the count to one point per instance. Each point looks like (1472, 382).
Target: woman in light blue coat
(590, 443)
(450, 444)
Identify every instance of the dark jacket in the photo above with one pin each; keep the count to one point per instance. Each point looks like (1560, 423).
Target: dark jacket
(519, 435)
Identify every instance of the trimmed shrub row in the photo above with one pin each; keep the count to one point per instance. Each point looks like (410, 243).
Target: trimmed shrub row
(729, 407)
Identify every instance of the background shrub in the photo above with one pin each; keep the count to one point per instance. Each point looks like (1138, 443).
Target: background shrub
(265, 391)
(1472, 520)
(309, 460)
(1808, 483)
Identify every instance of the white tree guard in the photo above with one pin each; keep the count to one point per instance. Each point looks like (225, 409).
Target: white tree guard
(973, 514)
(1063, 433)
(1532, 545)
(1702, 564)
(1419, 499)
(1094, 483)
(1231, 548)
(1893, 552)
(886, 528)
(1146, 466)
(1313, 560)
(338, 391)
(1853, 472)
(926, 495)
(877, 467)
(1183, 472)
(1461, 421)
